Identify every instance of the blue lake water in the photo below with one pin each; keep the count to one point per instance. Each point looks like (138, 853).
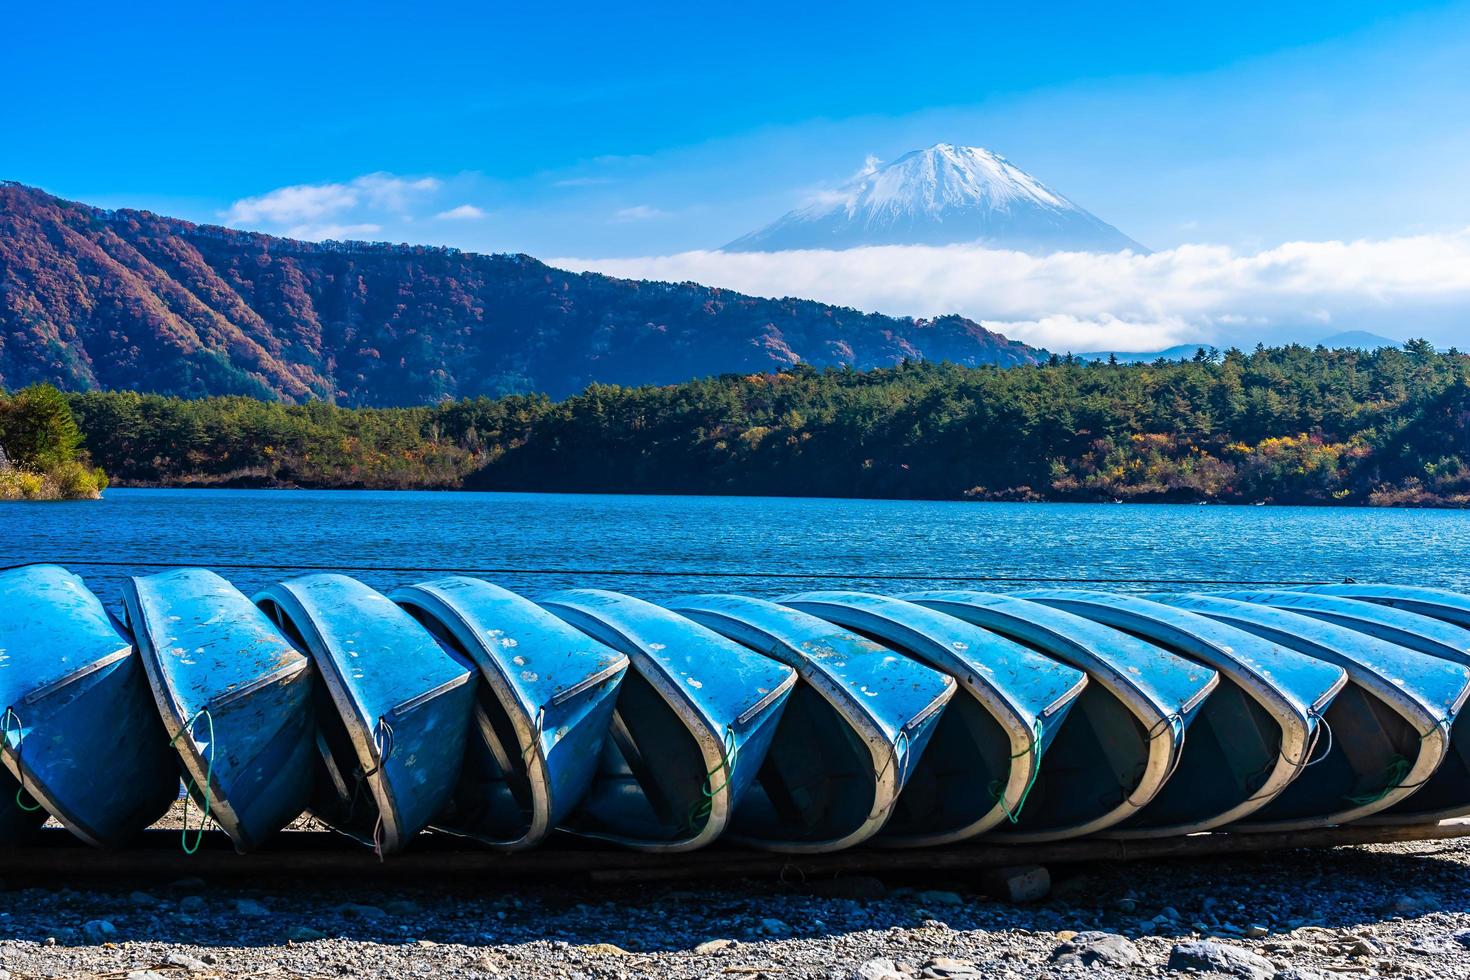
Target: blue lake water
(540, 542)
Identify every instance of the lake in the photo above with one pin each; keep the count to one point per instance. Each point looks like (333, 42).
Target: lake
(658, 547)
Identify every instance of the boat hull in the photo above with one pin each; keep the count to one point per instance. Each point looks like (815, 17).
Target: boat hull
(1162, 694)
(78, 702)
(855, 728)
(235, 698)
(1259, 728)
(983, 766)
(542, 712)
(393, 708)
(693, 723)
(1390, 726)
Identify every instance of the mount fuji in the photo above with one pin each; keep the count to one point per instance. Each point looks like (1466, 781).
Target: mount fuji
(945, 195)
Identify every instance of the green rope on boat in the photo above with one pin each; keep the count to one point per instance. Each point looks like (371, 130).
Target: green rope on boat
(1398, 770)
(997, 788)
(20, 742)
(703, 808)
(1394, 776)
(189, 790)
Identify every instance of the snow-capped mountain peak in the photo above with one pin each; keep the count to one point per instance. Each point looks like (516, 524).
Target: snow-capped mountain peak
(942, 195)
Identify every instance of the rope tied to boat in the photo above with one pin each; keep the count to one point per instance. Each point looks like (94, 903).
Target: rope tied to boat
(1316, 737)
(20, 769)
(533, 743)
(900, 754)
(703, 808)
(1398, 770)
(1178, 728)
(997, 788)
(188, 728)
(1173, 723)
(383, 739)
(1297, 765)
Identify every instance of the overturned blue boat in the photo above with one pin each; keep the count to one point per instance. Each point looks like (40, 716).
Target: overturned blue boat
(984, 760)
(541, 714)
(234, 696)
(1135, 748)
(1259, 728)
(1442, 604)
(1447, 793)
(393, 708)
(853, 731)
(1390, 726)
(694, 720)
(76, 705)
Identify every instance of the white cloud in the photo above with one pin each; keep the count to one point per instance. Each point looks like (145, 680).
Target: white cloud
(465, 212)
(296, 203)
(1066, 332)
(313, 202)
(824, 196)
(1079, 301)
(639, 212)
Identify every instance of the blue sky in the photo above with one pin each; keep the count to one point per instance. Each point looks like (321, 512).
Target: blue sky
(612, 131)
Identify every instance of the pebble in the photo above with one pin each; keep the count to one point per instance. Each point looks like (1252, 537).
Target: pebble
(880, 969)
(1089, 948)
(98, 931)
(250, 907)
(191, 963)
(605, 949)
(944, 966)
(1205, 956)
(1328, 913)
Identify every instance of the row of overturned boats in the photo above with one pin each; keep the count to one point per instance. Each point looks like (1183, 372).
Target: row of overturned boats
(814, 722)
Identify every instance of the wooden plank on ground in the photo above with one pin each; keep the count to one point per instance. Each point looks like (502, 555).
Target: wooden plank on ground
(313, 855)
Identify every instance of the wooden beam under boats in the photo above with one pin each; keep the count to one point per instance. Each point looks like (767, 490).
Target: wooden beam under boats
(309, 856)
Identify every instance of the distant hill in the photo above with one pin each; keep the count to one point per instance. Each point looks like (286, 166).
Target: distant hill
(131, 300)
(1176, 353)
(1358, 340)
(1350, 340)
(945, 195)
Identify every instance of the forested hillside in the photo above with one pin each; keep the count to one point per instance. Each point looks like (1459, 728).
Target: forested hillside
(130, 300)
(1288, 424)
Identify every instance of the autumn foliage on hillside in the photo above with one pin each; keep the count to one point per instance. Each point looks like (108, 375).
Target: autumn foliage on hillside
(127, 300)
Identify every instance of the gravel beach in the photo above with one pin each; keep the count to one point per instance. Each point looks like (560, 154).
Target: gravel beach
(1397, 910)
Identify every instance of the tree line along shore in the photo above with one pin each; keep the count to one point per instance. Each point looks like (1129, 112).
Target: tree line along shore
(1283, 425)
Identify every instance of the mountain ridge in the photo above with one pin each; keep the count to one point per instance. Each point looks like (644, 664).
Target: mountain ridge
(124, 299)
(942, 195)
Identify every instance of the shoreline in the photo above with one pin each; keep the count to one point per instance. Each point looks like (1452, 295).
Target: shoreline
(1391, 909)
(998, 498)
